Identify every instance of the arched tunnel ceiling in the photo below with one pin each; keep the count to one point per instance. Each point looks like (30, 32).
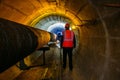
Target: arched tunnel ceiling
(78, 11)
(47, 21)
(27, 10)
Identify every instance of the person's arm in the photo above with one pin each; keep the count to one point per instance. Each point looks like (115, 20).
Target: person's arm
(74, 41)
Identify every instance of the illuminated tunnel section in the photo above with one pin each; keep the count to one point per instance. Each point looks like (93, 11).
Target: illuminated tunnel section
(53, 23)
(56, 28)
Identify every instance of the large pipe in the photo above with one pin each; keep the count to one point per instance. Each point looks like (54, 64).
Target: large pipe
(18, 41)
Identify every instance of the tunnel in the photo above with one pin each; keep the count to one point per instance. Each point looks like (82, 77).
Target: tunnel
(96, 24)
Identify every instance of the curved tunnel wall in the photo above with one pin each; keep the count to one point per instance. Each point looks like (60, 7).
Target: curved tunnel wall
(95, 63)
(99, 50)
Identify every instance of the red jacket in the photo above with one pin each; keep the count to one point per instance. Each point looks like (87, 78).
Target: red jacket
(68, 39)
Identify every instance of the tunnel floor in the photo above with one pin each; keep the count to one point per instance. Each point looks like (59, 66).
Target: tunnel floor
(52, 69)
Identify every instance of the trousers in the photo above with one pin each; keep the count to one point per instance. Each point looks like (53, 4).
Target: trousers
(67, 51)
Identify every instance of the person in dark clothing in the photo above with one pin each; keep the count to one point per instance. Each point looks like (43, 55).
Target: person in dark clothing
(68, 42)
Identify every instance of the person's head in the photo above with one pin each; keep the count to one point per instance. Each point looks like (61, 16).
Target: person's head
(67, 26)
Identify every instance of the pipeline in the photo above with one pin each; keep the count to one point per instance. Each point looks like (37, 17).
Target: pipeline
(18, 41)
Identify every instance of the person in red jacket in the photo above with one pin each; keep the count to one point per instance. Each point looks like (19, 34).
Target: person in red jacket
(68, 42)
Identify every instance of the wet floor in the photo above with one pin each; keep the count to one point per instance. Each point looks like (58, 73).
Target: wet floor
(52, 69)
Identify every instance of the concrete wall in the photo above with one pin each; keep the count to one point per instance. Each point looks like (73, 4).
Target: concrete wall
(99, 53)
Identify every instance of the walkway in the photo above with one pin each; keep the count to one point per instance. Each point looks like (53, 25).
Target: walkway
(51, 70)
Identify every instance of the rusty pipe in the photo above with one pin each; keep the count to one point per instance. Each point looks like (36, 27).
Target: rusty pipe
(18, 41)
